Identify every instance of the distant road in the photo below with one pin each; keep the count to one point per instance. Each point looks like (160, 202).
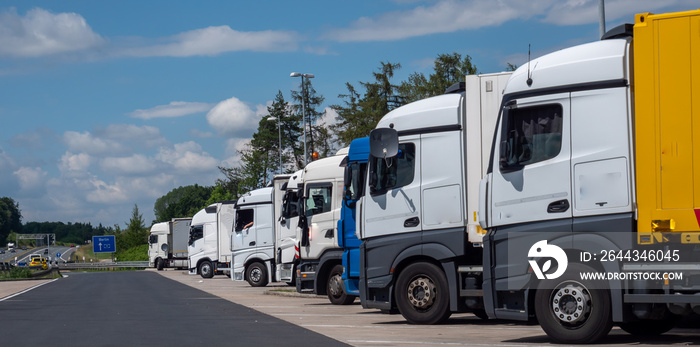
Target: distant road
(141, 308)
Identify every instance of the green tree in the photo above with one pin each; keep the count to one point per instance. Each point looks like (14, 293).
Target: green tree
(360, 113)
(291, 131)
(220, 194)
(307, 96)
(181, 202)
(135, 234)
(10, 218)
(448, 69)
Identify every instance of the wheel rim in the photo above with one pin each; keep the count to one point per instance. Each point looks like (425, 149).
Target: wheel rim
(571, 304)
(421, 292)
(206, 269)
(255, 275)
(334, 285)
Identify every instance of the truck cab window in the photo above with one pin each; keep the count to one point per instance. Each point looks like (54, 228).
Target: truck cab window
(244, 218)
(357, 180)
(530, 135)
(290, 204)
(153, 239)
(318, 200)
(395, 172)
(196, 233)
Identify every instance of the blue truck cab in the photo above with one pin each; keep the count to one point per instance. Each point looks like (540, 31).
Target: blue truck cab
(354, 181)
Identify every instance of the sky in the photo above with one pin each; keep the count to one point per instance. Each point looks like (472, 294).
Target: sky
(108, 104)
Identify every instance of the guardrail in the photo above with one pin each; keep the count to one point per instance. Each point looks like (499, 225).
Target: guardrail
(102, 265)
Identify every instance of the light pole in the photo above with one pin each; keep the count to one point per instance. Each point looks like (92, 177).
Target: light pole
(303, 103)
(279, 130)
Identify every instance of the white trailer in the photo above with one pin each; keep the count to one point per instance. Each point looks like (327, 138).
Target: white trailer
(167, 244)
(209, 247)
(421, 251)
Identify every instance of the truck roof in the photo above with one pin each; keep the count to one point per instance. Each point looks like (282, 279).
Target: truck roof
(262, 195)
(328, 167)
(441, 110)
(588, 63)
(359, 150)
(160, 228)
(296, 180)
(203, 217)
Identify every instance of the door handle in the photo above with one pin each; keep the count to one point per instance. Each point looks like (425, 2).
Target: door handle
(411, 222)
(558, 206)
(252, 243)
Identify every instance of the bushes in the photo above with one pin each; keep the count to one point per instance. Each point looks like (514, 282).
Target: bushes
(138, 253)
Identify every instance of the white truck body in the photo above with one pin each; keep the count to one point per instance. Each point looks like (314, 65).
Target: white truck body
(287, 252)
(319, 252)
(168, 244)
(265, 251)
(254, 237)
(418, 217)
(210, 244)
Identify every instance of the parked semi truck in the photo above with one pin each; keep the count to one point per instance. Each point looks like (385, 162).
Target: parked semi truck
(167, 244)
(209, 246)
(320, 256)
(592, 196)
(421, 244)
(343, 289)
(287, 247)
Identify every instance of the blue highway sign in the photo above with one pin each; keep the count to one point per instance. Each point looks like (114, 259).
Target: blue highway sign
(103, 244)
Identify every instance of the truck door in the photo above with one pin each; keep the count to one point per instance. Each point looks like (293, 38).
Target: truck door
(319, 214)
(393, 203)
(245, 218)
(531, 171)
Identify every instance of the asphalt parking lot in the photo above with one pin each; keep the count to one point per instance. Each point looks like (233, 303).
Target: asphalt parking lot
(356, 326)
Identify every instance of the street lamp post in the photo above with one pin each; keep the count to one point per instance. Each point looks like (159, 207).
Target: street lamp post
(303, 103)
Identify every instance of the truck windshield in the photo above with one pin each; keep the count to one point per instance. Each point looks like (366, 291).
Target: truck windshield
(196, 233)
(357, 182)
(290, 208)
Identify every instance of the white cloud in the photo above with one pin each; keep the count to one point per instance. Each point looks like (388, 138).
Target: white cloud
(233, 147)
(442, 17)
(74, 165)
(31, 180)
(215, 40)
(137, 164)
(42, 33)
(187, 157)
(86, 142)
(115, 139)
(328, 118)
(173, 109)
(233, 117)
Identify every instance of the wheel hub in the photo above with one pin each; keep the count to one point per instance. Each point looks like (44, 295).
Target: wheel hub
(256, 275)
(334, 285)
(571, 303)
(421, 292)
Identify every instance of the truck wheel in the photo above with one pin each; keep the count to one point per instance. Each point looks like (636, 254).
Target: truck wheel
(422, 294)
(649, 327)
(159, 264)
(335, 288)
(206, 270)
(256, 274)
(569, 311)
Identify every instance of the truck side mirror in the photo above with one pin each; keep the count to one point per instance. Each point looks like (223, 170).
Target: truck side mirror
(347, 177)
(383, 143)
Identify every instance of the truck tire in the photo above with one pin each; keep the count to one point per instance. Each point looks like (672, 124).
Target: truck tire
(256, 275)
(649, 327)
(569, 311)
(422, 294)
(159, 264)
(206, 270)
(335, 288)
